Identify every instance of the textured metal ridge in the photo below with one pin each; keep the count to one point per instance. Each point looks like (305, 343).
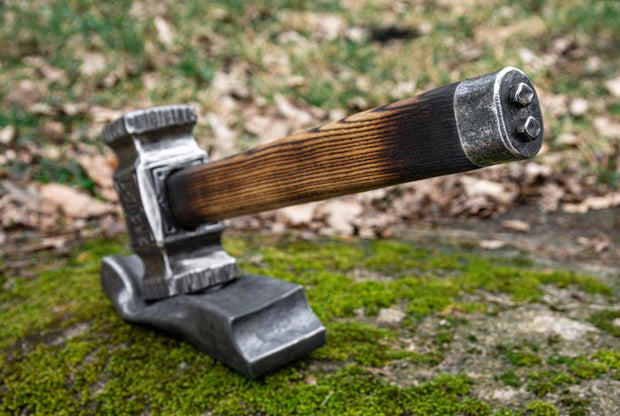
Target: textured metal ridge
(150, 144)
(151, 119)
(189, 282)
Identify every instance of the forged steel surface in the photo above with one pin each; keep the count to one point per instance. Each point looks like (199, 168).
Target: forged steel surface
(150, 144)
(253, 324)
(491, 111)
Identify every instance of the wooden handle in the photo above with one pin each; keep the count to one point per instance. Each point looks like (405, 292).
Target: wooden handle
(412, 139)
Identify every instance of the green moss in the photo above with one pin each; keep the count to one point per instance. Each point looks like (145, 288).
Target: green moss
(576, 406)
(507, 412)
(546, 381)
(610, 358)
(540, 408)
(605, 320)
(65, 351)
(586, 368)
(354, 341)
(564, 371)
(510, 378)
(516, 356)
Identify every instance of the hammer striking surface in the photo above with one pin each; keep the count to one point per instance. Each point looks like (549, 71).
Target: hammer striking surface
(491, 119)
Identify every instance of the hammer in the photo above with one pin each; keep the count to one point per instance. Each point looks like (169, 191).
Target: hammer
(180, 279)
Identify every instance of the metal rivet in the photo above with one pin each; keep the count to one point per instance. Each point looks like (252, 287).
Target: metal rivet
(529, 129)
(522, 94)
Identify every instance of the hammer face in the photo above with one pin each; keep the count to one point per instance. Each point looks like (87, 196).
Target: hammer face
(253, 324)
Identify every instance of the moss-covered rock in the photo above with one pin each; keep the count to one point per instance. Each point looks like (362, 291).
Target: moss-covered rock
(455, 349)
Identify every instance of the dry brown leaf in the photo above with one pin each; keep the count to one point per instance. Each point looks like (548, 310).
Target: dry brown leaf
(72, 109)
(492, 244)
(297, 215)
(516, 225)
(277, 61)
(74, 203)
(534, 171)
(340, 214)
(554, 105)
(230, 83)
(26, 93)
(109, 80)
(109, 194)
(139, 10)
(49, 72)
(164, 32)
(569, 139)
(292, 36)
(296, 115)
(370, 196)
(54, 130)
(613, 86)
(92, 63)
(561, 45)
(104, 115)
(357, 34)
(372, 223)
(481, 187)
(594, 203)
(336, 114)
(295, 81)
(551, 196)
(7, 134)
(99, 168)
(323, 26)
(267, 128)
(150, 80)
(578, 107)
(43, 109)
(435, 193)
(607, 127)
(18, 206)
(225, 137)
(257, 124)
(26, 197)
(328, 26)
(598, 244)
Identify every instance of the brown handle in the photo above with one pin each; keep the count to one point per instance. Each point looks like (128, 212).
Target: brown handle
(416, 138)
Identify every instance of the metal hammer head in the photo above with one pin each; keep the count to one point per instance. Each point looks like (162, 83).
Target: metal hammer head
(150, 144)
(181, 280)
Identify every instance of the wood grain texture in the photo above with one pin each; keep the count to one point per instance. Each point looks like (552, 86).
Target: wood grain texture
(412, 139)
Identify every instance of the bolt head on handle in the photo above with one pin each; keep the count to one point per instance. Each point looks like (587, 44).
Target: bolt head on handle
(503, 104)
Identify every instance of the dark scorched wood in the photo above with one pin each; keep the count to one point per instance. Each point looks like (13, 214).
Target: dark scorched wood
(408, 140)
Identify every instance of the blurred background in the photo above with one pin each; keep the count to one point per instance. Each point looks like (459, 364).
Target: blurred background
(258, 70)
(494, 290)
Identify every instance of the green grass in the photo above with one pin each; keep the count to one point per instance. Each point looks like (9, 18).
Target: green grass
(247, 38)
(66, 172)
